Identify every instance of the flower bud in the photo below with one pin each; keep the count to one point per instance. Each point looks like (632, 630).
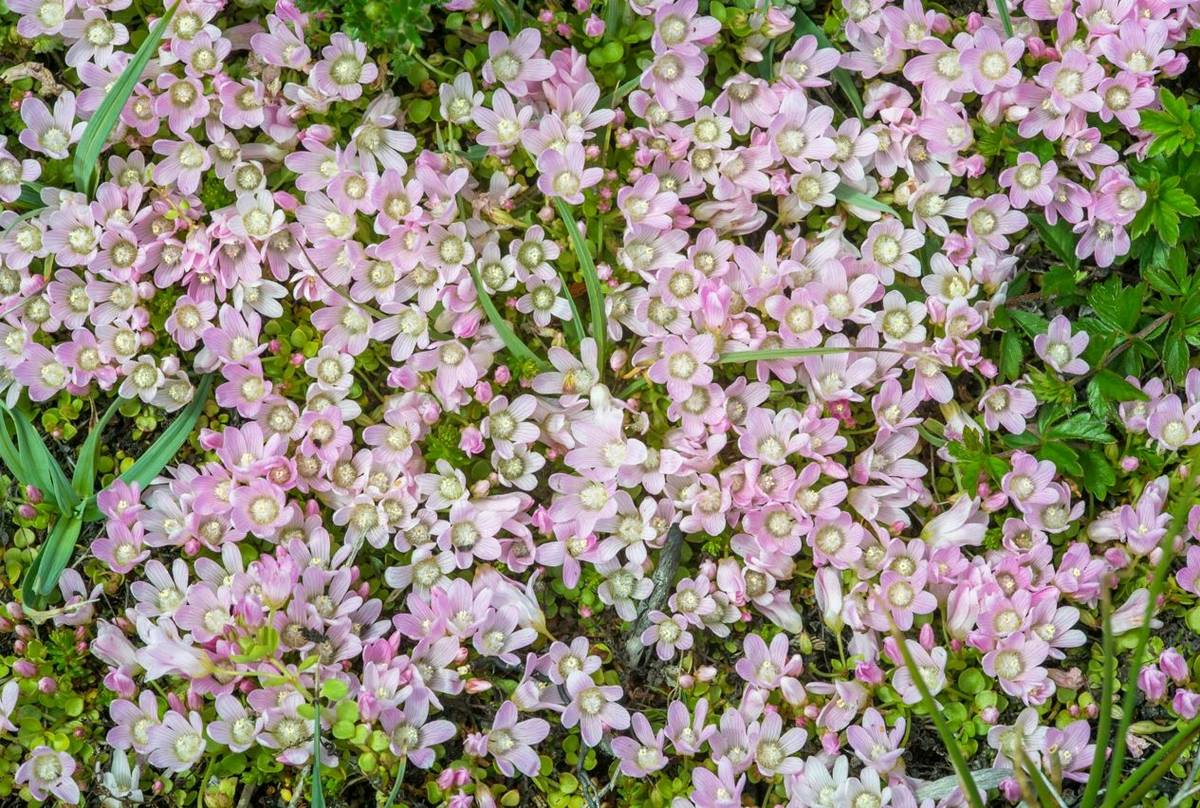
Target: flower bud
(1174, 665)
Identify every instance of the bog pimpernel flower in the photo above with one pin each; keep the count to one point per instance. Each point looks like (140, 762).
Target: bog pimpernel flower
(638, 403)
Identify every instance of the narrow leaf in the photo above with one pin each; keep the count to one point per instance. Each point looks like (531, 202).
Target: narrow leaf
(1005, 20)
(31, 195)
(845, 81)
(1058, 238)
(1047, 796)
(595, 290)
(160, 453)
(985, 779)
(100, 126)
(318, 791)
(56, 553)
(1151, 771)
(1166, 548)
(1116, 388)
(858, 199)
(40, 464)
(772, 354)
(966, 781)
(83, 480)
(511, 341)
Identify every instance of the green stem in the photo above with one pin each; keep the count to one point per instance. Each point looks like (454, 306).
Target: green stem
(396, 786)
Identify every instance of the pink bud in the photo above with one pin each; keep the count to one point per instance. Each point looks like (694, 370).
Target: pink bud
(706, 673)
(502, 375)
(474, 686)
(990, 715)
(483, 392)
(461, 656)
(1153, 683)
(927, 639)
(1186, 703)
(869, 672)
(33, 495)
(24, 668)
(545, 16)
(47, 685)
(830, 743)
(1129, 463)
(686, 681)
(1174, 665)
(26, 511)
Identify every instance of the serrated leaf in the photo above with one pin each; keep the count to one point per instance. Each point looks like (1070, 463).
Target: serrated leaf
(100, 125)
(1081, 426)
(1098, 474)
(1116, 388)
(1117, 306)
(1032, 324)
(1065, 459)
(1011, 354)
(1059, 238)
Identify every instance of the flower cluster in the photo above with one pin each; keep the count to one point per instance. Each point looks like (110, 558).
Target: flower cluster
(660, 417)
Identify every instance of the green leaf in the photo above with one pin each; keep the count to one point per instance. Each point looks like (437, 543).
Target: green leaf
(334, 689)
(949, 742)
(1011, 354)
(1032, 324)
(30, 460)
(83, 480)
(858, 199)
(597, 324)
(1005, 20)
(1098, 474)
(100, 125)
(52, 559)
(1064, 458)
(318, 792)
(1116, 388)
(772, 354)
(1117, 306)
(1058, 238)
(1081, 426)
(511, 341)
(1108, 678)
(841, 76)
(161, 452)
(31, 196)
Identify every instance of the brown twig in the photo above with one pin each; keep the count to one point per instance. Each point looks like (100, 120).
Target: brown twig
(663, 577)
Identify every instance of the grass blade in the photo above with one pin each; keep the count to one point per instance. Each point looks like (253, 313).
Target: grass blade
(595, 290)
(39, 463)
(966, 781)
(1155, 767)
(160, 453)
(511, 341)
(391, 800)
(14, 461)
(841, 75)
(1167, 549)
(31, 196)
(318, 791)
(83, 480)
(771, 354)
(858, 199)
(100, 125)
(1027, 769)
(1005, 20)
(52, 559)
(1107, 684)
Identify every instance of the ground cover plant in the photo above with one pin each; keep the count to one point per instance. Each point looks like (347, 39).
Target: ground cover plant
(599, 403)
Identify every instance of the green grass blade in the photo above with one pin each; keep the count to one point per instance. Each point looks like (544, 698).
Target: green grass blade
(83, 480)
(1005, 20)
(595, 289)
(100, 125)
(841, 76)
(1167, 550)
(11, 455)
(160, 453)
(391, 800)
(511, 341)
(40, 464)
(56, 554)
(771, 354)
(1047, 797)
(1107, 685)
(318, 791)
(1155, 767)
(966, 781)
(575, 324)
(858, 199)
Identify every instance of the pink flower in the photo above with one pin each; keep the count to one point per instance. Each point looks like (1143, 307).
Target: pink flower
(1060, 349)
(514, 63)
(49, 133)
(343, 69)
(594, 708)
